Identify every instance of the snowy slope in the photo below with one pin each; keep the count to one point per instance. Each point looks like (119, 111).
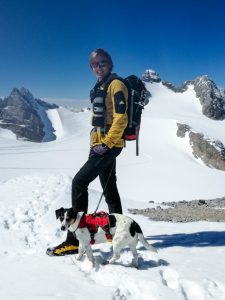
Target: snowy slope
(35, 179)
(165, 159)
(181, 270)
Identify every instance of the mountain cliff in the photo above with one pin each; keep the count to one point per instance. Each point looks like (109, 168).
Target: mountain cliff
(211, 97)
(26, 116)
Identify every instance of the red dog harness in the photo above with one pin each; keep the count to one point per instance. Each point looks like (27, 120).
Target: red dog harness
(93, 222)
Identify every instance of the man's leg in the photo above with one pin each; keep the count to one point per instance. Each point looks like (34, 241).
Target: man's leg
(91, 169)
(83, 178)
(108, 182)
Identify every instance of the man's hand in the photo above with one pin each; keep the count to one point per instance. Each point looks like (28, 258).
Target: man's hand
(100, 149)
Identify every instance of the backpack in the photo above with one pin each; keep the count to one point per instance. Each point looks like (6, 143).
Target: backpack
(138, 97)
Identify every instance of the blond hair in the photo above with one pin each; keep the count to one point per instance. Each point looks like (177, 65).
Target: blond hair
(103, 53)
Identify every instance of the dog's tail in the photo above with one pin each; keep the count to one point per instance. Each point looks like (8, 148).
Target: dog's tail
(145, 243)
(141, 238)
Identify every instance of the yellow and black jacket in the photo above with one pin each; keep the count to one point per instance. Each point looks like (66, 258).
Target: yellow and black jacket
(110, 124)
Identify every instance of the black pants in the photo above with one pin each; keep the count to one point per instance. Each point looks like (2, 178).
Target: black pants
(103, 166)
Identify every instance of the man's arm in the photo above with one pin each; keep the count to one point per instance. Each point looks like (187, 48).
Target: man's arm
(119, 95)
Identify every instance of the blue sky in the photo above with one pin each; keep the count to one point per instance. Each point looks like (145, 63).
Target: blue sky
(45, 44)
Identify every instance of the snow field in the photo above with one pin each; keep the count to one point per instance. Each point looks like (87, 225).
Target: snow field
(35, 179)
(181, 270)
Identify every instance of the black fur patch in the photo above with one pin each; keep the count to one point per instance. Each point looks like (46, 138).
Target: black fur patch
(120, 103)
(135, 228)
(71, 214)
(60, 213)
(112, 221)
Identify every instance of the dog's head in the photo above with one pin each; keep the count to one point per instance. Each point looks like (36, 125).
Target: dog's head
(67, 217)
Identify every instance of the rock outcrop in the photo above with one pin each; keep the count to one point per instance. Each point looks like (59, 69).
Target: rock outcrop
(24, 115)
(211, 97)
(211, 152)
(151, 76)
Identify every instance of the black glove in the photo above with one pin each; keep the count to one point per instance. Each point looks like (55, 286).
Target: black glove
(100, 149)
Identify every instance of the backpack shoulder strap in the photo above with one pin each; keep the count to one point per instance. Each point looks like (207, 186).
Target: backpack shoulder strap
(112, 77)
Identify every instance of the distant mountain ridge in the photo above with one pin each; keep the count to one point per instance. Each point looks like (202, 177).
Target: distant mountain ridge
(26, 116)
(212, 100)
(211, 97)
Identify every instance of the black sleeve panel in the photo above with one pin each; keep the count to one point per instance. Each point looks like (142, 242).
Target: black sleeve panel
(120, 103)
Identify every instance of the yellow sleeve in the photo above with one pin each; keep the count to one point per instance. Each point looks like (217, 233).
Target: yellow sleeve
(118, 94)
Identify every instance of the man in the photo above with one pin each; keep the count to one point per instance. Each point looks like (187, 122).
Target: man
(109, 119)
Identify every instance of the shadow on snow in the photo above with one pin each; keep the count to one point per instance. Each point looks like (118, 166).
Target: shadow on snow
(197, 239)
(143, 264)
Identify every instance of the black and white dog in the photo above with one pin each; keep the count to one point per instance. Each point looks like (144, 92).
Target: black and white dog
(123, 230)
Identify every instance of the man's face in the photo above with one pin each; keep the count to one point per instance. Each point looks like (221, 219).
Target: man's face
(100, 66)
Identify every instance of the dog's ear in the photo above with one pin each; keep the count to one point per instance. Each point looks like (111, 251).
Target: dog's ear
(59, 213)
(72, 213)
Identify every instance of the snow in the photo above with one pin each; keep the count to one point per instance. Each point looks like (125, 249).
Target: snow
(35, 179)
(54, 117)
(48, 128)
(6, 134)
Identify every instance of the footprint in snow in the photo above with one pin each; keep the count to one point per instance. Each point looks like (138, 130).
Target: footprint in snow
(170, 278)
(192, 291)
(215, 289)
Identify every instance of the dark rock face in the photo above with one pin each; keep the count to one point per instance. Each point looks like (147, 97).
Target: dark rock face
(222, 92)
(151, 76)
(182, 129)
(24, 115)
(210, 96)
(211, 152)
(174, 88)
(170, 85)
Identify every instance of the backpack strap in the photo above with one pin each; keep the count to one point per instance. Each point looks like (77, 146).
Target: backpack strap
(109, 80)
(98, 95)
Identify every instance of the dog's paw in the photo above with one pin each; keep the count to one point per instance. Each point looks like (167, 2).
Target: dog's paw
(93, 264)
(134, 263)
(78, 256)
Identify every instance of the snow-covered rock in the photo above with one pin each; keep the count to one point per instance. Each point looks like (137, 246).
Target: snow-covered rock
(210, 96)
(211, 152)
(151, 76)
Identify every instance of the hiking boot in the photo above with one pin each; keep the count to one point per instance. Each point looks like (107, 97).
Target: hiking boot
(62, 249)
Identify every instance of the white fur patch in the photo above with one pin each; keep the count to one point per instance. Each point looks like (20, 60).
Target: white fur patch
(73, 227)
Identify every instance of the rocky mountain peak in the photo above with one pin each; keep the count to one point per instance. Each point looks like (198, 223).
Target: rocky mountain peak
(25, 115)
(206, 83)
(15, 91)
(26, 93)
(151, 76)
(22, 96)
(22, 92)
(210, 96)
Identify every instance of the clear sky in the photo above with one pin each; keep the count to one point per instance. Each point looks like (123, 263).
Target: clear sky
(45, 44)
